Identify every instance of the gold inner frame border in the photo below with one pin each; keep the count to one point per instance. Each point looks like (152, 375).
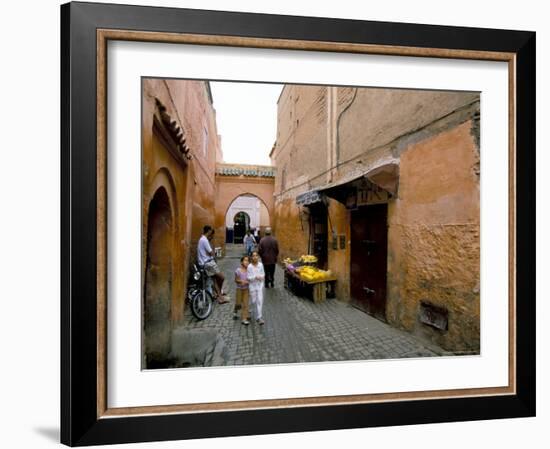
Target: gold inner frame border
(105, 35)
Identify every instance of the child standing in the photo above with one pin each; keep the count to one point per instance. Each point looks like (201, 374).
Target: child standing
(256, 277)
(242, 295)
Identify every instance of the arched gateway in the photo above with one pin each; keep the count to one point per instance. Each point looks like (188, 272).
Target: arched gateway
(238, 180)
(158, 278)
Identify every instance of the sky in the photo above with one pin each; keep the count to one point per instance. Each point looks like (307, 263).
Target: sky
(246, 115)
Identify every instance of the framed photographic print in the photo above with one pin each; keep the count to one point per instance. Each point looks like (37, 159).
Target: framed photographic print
(287, 224)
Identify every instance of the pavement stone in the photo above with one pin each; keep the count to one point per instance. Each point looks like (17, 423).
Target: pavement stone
(297, 330)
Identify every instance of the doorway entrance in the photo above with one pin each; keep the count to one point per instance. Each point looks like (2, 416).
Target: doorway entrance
(158, 280)
(318, 238)
(241, 224)
(369, 259)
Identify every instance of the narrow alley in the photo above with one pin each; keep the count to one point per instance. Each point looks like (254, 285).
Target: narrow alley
(298, 330)
(370, 201)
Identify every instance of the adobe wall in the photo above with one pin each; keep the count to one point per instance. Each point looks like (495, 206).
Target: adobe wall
(433, 224)
(434, 238)
(292, 226)
(189, 183)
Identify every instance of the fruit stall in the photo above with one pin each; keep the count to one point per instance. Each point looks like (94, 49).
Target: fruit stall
(303, 278)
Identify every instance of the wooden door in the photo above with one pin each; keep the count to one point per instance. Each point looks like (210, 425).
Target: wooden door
(369, 253)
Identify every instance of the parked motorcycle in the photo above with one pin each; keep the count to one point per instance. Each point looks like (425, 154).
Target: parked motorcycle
(199, 293)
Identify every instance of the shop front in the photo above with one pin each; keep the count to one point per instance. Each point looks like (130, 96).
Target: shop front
(316, 213)
(349, 233)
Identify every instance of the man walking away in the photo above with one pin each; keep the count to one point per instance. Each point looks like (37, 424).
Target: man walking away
(269, 251)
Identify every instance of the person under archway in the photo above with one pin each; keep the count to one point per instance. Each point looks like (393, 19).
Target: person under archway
(249, 243)
(205, 259)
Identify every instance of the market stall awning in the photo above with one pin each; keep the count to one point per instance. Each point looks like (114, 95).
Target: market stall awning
(384, 176)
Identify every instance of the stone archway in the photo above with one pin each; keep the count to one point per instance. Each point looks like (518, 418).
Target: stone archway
(230, 187)
(246, 212)
(158, 280)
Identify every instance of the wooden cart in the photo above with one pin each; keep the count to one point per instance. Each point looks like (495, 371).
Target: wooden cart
(317, 291)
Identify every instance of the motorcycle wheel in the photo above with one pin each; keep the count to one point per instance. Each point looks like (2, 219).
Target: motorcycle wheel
(201, 306)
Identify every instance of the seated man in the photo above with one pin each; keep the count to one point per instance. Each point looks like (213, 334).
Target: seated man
(205, 258)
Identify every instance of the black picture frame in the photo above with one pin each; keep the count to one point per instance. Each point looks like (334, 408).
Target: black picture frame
(80, 423)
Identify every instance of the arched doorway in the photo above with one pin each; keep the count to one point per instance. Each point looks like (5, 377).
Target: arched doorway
(158, 280)
(246, 211)
(241, 224)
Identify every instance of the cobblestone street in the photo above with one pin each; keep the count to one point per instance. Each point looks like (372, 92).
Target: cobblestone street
(298, 330)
